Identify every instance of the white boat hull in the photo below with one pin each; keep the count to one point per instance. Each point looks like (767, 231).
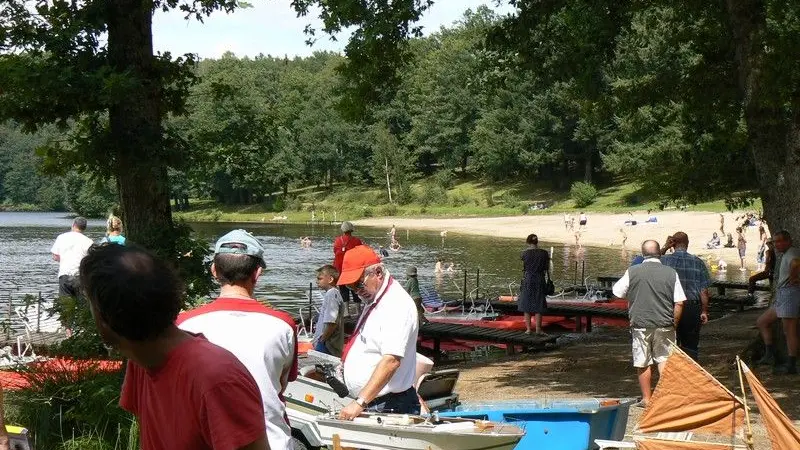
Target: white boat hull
(365, 433)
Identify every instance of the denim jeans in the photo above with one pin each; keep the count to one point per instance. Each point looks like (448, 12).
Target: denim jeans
(320, 347)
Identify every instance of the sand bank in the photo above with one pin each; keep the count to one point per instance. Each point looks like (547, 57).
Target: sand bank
(602, 230)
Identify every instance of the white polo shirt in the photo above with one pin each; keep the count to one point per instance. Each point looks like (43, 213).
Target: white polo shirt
(265, 341)
(390, 328)
(70, 247)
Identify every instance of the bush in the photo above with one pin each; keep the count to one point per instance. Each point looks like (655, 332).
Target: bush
(432, 194)
(403, 194)
(71, 407)
(294, 204)
(279, 204)
(583, 194)
(366, 211)
(388, 210)
(489, 193)
(444, 179)
(510, 200)
(459, 198)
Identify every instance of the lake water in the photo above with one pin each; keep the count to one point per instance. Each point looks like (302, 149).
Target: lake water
(27, 266)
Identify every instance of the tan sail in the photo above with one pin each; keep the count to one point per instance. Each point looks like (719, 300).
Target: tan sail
(782, 433)
(688, 398)
(659, 444)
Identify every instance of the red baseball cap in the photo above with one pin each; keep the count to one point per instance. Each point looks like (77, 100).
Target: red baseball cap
(355, 260)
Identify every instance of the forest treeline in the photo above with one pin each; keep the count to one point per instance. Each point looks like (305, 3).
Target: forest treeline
(467, 104)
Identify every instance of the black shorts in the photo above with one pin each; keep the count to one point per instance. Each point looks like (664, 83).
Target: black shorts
(582, 222)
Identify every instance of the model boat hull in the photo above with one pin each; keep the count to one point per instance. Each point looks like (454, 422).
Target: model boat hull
(378, 432)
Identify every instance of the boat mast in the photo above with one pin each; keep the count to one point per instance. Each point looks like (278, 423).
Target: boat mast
(749, 434)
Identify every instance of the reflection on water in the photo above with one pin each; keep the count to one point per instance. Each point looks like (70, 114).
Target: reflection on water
(494, 263)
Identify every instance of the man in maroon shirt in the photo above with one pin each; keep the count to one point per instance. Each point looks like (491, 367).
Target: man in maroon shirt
(186, 393)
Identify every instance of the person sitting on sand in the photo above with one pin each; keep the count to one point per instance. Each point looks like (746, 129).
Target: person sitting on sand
(714, 243)
(730, 244)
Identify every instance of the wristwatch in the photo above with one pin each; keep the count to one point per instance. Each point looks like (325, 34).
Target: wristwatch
(361, 402)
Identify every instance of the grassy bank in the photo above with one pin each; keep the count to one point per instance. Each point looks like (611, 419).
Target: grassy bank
(427, 198)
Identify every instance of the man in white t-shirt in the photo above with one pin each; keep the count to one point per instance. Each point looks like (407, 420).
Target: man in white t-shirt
(379, 360)
(69, 249)
(263, 339)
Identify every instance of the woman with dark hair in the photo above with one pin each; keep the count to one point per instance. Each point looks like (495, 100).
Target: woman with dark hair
(532, 296)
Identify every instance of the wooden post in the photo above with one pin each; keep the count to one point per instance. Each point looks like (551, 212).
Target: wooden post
(39, 312)
(589, 323)
(8, 318)
(464, 293)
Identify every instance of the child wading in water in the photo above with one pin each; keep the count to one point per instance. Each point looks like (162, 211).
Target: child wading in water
(329, 333)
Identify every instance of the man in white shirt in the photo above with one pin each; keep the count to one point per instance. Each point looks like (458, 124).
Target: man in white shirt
(379, 360)
(655, 298)
(262, 338)
(69, 249)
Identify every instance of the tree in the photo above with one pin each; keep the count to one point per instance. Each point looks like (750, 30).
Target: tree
(443, 99)
(56, 67)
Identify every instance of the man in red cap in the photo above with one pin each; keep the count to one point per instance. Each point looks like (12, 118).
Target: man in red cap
(379, 360)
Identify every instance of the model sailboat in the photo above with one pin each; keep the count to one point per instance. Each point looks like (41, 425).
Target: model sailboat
(689, 399)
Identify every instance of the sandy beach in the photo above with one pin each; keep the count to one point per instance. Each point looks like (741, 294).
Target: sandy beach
(599, 365)
(602, 230)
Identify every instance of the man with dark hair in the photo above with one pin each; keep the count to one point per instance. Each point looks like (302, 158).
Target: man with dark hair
(264, 340)
(69, 249)
(693, 273)
(379, 360)
(329, 332)
(786, 305)
(655, 298)
(186, 392)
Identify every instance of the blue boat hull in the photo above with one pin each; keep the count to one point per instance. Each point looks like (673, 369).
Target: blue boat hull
(555, 425)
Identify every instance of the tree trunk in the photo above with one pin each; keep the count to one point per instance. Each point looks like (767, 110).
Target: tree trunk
(388, 186)
(588, 167)
(135, 122)
(773, 137)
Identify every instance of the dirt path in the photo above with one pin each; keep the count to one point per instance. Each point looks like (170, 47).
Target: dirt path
(599, 365)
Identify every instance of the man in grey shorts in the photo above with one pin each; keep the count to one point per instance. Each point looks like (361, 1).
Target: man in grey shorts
(786, 306)
(655, 298)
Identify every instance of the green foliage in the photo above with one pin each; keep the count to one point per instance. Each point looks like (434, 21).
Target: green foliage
(403, 194)
(87, 196)
(510, 200)
(432, 194)
(583, 194)
(489, 197)
(65, 405)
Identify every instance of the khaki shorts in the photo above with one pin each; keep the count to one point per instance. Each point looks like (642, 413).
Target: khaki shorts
(651, 345)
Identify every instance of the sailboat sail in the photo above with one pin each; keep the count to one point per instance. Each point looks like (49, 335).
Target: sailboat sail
(782, 434)
(658, 444)
(688, 398)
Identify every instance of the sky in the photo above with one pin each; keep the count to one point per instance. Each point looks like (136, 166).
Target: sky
(271, 27)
